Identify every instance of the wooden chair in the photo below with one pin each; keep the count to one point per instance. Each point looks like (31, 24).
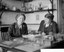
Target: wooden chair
(4, 34)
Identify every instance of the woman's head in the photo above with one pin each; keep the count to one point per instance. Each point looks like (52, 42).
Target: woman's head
(20, 18)
(49, 17)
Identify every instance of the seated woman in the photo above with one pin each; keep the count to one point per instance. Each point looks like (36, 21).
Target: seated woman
(18, 28)
(47, 25)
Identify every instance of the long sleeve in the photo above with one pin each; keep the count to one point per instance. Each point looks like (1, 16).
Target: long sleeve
(26, 31)
(55, 28)
(10, 32)
(41, 26)
(24, 28)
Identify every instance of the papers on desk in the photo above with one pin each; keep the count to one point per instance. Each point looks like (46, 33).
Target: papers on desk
(28, 36)
(7, 42)
(31, 36)
(11, 44)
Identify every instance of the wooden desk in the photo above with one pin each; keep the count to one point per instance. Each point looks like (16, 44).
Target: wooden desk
(26, 46)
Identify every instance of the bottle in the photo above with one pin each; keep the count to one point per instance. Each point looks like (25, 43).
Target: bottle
(50, 36)
(30, 7)
(40, 6)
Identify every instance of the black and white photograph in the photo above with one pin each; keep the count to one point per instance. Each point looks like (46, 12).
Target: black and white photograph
(31, 25)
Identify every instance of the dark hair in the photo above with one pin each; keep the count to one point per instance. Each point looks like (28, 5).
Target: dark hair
(20, 15)
(49, 16)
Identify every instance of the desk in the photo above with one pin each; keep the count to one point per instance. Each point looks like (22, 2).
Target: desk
(26, 45)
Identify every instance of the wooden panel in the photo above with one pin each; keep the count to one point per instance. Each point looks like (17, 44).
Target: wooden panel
(0, 37)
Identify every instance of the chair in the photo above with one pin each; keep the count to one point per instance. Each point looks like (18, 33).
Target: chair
(4, 34)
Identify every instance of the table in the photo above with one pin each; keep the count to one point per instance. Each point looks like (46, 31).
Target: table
(26, 45)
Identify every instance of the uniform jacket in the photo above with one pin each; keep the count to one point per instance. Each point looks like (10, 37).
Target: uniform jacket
(53, 27)
(15, 31)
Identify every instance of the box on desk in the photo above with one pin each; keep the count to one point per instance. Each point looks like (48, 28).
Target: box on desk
(47, 43)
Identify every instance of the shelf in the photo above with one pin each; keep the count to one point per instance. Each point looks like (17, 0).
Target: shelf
(7, 25)
(29, 11)
(41, 10)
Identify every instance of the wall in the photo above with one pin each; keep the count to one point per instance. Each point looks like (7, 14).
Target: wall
(61, 15)
(32, 19)
(10, 4)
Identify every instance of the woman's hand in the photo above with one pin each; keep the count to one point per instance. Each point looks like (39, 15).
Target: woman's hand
(43, 33)
(50, 33)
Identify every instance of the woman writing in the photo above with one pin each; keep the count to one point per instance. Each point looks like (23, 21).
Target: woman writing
(47, 25)
(18, 28)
